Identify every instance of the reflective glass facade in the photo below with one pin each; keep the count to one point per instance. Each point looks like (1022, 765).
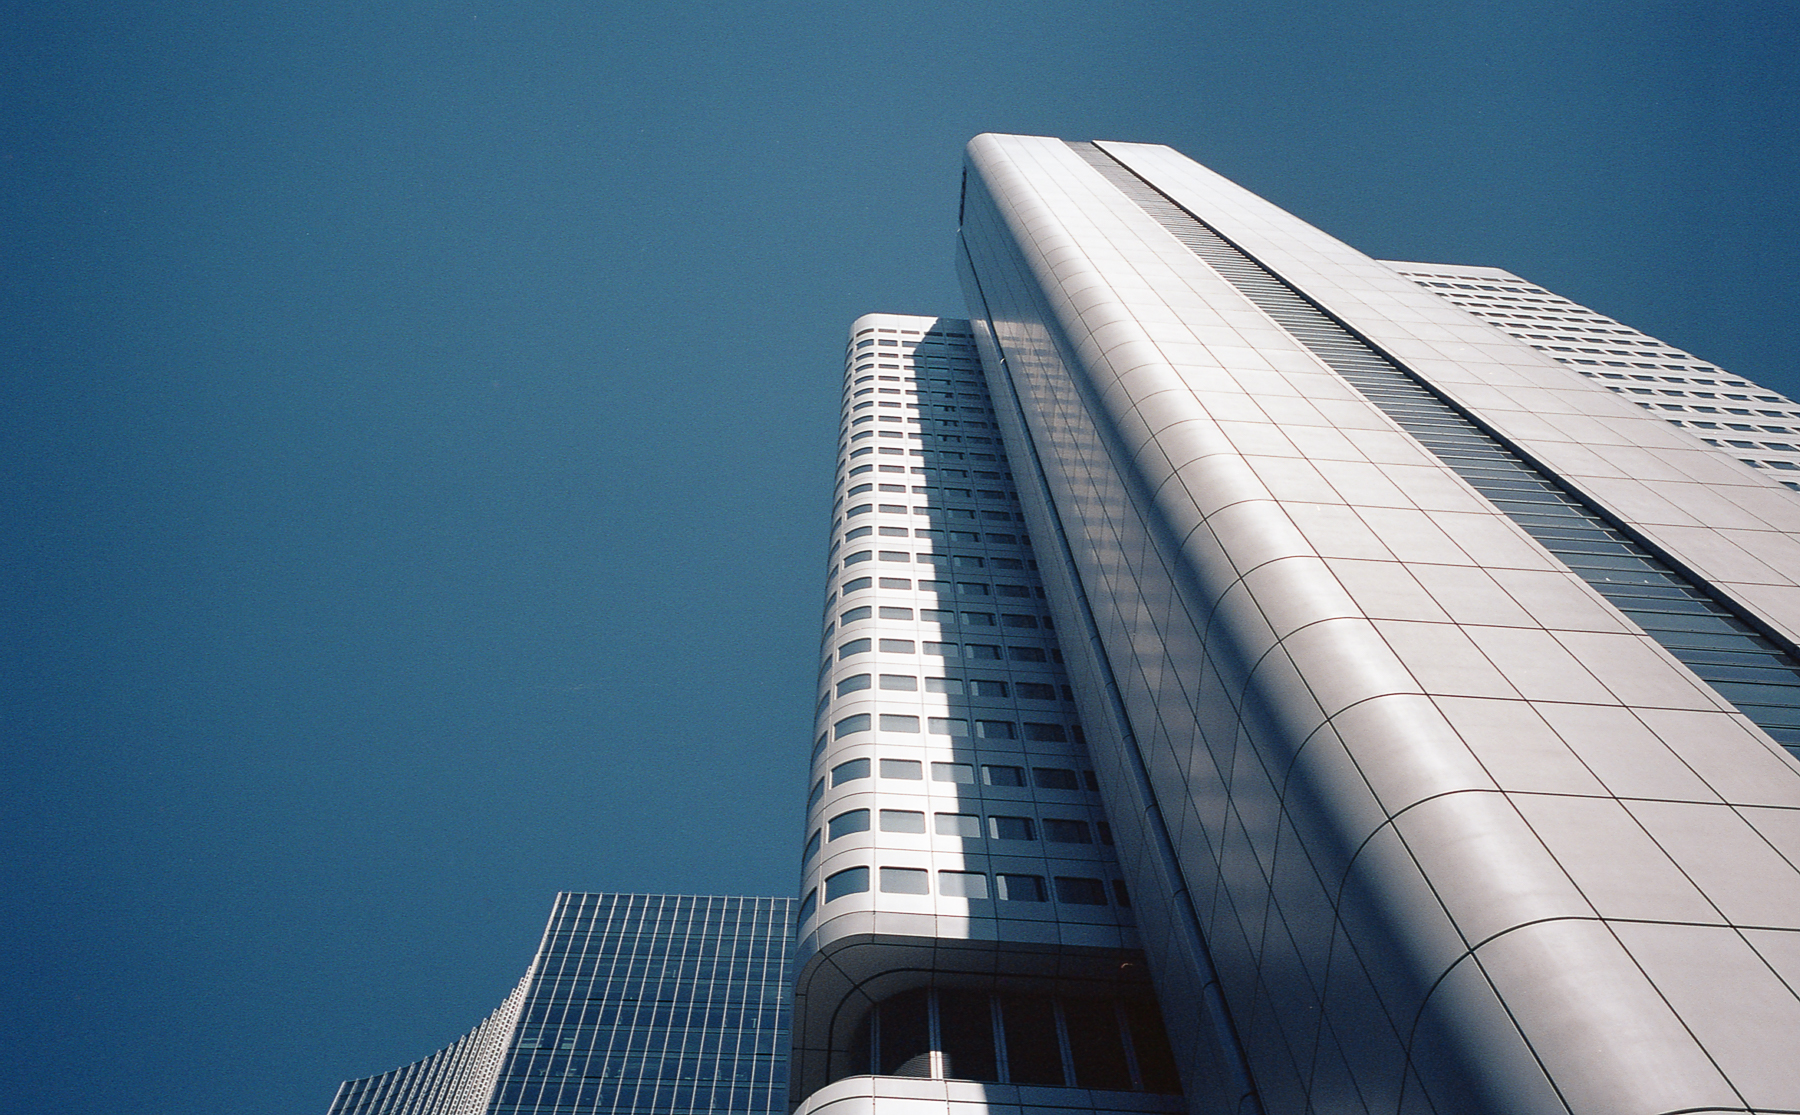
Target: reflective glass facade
(634, 1003)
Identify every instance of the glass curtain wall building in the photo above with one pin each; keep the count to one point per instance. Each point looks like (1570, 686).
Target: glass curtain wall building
(1434, 643)
(635, 1004)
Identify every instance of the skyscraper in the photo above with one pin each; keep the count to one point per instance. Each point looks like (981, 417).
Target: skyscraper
(1433, 639)
(966, 935)
(1254, 677)
(634, 1003)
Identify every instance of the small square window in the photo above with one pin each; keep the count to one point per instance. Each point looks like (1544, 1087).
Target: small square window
(910, 769)
(846, 823)
(953, 772)
(853, 881)
(1067, 832)
(962, 884)
(964, 825)
(1078, 892)
(849, 772)
(905, 880)
(902, 820)
(1012, 888)
(1000, 828)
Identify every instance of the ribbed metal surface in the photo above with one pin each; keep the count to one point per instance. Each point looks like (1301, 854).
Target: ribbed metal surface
(1747, 669)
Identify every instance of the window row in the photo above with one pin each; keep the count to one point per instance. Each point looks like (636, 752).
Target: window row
(964, 514)
(955, 726)
(944, 473)
(1072, 890)
(935, 453)
(939, 534)
(980, 652)
(942, 616)
(933, 437)
(966, 826)
(929, 489)
(955, 774)
(971, 1034)
(957, 561)
(1045, 778)
(976, 687)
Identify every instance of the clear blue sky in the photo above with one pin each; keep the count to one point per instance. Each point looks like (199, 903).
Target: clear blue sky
(419, 424)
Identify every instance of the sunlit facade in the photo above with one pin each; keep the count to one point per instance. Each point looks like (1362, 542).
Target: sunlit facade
(1433, 639)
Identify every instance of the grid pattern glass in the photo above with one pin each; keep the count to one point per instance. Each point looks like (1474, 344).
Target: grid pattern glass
(1754, 673)
(634, 1004)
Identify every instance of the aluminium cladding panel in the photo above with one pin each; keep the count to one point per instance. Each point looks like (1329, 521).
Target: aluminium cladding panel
(892, 1095)
(1733, 525)
(1450, 823)
(951, 831)
(1743, 420)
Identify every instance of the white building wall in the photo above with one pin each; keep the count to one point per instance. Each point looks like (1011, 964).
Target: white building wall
(954, 829)
(1458, 835)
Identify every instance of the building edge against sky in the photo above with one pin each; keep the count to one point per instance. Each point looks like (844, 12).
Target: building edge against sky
(633, 1003)
(1388, 633)
(1385, 666)
(965, 936)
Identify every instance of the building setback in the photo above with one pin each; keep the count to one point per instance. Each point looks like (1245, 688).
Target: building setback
(634, 1003)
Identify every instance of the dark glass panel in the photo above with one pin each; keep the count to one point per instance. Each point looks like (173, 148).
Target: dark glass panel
(1095, 1044)
(904, 1036)
(1155, 1060)
(1033, 1054)
(966, 1029)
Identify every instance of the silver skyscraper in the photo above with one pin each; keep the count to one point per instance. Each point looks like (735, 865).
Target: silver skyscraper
(1431, 642)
